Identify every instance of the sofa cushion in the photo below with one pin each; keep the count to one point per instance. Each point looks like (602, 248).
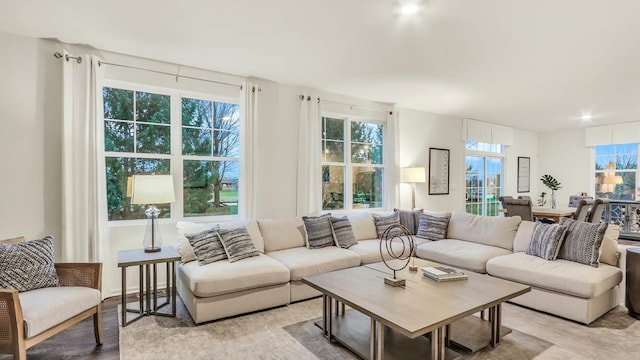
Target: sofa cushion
(28, 265)
(487, 230)
(237, 243)
(206, 246)
(458, 253)
(563, 276)
(345, 238)
(318, 231)
(546, 240)
(190, 227)
(583, 241)
(609, 252)
(223, 277)
(433, 226)
(47, 307)
(363, 226)
(383, 222)
(369, 250)
(282, 234)
(302, 261)
(523, 236)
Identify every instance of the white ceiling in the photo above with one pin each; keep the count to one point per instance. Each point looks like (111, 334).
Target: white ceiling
(532, 64)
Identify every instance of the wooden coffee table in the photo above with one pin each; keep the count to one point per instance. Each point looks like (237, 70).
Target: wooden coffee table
(390, 321)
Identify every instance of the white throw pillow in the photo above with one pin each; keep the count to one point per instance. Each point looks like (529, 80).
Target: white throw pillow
(364, 228)
(523, 236)
(609, 252)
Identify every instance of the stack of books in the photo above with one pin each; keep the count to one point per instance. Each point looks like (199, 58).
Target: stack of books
(443, 273)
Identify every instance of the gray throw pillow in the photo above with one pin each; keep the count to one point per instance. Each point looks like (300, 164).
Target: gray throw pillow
(237, 243)
(207, 246)
(583, 241)
(345, 238)
(384, 221)
(433, 227)
(28, 265)
(546, 240)
(409, 219)
(319, 231)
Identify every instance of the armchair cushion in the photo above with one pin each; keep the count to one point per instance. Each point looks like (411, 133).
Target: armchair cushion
(47, 307)
(28, 265)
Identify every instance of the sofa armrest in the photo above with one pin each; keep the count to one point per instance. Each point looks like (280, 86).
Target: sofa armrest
(11, 322)
(80, 274)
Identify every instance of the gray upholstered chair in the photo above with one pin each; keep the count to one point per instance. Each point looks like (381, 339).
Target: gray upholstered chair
(519, 207)
(502, 198)
(525, 197)
(575, 199)
(583, 210)
(597, 209)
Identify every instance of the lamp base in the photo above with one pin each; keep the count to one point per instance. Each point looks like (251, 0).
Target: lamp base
(150, 249)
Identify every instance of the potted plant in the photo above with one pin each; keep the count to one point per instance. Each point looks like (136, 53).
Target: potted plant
(542, 201)
(553, 185)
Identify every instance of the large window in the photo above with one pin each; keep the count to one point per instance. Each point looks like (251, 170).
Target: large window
(352, 153)
(616, 169)
(199, 144)
(484, 177)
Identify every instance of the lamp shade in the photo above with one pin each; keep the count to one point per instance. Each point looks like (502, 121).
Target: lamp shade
(612, 179)
(413, 175)
(152, 189)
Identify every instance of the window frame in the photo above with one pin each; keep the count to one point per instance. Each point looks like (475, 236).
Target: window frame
(485, 155)
(348, 165)
(175, 156)
(595, 172)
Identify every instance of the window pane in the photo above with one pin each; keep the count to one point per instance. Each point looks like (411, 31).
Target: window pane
(118, 169)
(366, 143)
(333, 151)
(118, 136)
(616, 185)
(226, 143)
(367, 187)
(196, 141)
(153, 139)
(474, 184)
(332, 129)
(197, 113)
(210, 188)
(153, 108)
(366, 154)
(117, 104)
(332, 187)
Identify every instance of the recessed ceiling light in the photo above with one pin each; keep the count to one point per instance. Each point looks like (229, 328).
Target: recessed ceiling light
(409, 9)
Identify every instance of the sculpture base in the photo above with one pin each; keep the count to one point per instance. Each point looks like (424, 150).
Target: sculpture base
(152, 249)
(395, 282)
(413, 268)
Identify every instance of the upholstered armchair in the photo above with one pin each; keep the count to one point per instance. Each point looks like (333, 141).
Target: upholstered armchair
(29, 317)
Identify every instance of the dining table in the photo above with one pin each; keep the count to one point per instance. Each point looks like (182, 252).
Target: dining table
(552, 213)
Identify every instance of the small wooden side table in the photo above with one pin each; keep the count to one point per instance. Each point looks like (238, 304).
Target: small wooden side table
(147, 264)
(632, 298)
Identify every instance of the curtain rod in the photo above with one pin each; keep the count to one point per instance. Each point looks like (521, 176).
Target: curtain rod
(356, 106)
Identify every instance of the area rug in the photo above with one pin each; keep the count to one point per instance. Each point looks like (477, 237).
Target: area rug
(289, 333)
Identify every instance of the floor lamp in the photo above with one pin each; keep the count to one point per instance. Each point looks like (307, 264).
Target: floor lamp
(152, 190)
(413, 175)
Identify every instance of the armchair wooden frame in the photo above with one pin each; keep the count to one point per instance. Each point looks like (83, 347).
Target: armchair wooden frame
(12, 337)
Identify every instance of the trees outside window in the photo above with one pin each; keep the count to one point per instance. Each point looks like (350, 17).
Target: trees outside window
(352, 153)
(203, 152)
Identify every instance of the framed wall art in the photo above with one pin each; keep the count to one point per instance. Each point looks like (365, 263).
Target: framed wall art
(524, 174)
(438, 171)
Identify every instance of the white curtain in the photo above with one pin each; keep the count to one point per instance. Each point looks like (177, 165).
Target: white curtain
(392, 154)
(84, 209)
(249, 126)
(309, 184)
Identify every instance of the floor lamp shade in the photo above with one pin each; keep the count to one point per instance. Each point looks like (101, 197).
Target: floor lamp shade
(152, 190)
(413, 175)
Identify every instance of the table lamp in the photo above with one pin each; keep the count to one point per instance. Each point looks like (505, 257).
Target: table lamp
(413, 175)
(152, 190)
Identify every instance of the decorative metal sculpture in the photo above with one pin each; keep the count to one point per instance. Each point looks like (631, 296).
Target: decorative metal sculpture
(402, 255)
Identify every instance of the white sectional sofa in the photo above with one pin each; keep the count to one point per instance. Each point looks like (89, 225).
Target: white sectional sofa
(492, 245)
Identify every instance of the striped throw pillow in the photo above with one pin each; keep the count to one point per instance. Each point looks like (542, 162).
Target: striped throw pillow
(433, 226)
(409, 219)
(319, 231)
(28, 265)
(384, 221)
(546, 240)
(237, 243)
(207, 246)
(345, 238)
(583, 241)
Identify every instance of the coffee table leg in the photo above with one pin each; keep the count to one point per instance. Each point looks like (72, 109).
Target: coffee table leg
(496, 319)
(379, 340)
(372, 340)
(441, 343)
(329, 318)
(124, 296)
(325, 299)
(435, 334)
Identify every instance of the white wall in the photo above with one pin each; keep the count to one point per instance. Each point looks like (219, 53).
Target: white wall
(525, 145)
(563, 155)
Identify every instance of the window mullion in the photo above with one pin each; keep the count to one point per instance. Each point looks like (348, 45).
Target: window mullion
(176, 154)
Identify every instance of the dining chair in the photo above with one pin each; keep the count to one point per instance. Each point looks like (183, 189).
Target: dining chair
(502, 198)
(583, 209)
(575, 199)
(597, 209)
(525, 197)
(519, 207)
